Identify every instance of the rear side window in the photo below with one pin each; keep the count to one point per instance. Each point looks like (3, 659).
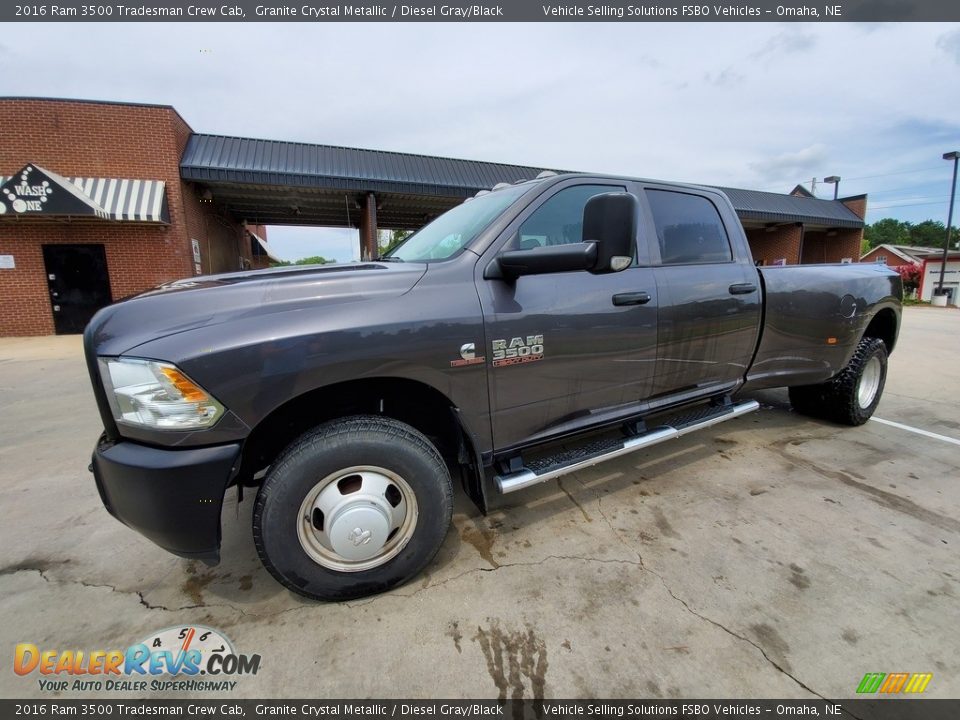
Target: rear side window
(559, 220)
(689, 229)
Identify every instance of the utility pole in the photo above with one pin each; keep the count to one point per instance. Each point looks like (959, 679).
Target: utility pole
(955, 155)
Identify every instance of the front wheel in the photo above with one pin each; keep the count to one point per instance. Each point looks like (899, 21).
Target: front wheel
(852, 396)
(352, 508)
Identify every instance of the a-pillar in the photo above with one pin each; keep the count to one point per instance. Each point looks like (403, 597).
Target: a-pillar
(368, 228)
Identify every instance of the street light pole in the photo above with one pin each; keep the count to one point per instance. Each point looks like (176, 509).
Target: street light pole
(955, 155)
(835, 181)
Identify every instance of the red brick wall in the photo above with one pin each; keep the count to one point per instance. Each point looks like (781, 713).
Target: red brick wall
(85, 139)
(857, 205)
(814, 248)
(138, 257)
(783, 242)
(819, 247)
(845, 244)
(893, 260)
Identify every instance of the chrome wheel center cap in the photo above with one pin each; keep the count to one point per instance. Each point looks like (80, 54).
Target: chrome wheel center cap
(357, 518)
(359, 530)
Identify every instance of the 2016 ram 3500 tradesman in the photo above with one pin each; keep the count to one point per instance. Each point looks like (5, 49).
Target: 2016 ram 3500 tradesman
(529, 332)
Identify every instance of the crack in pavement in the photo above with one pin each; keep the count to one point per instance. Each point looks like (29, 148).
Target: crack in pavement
(684, 603)
(581, 558)
(737, 635)
(608, 523)
(140, 596)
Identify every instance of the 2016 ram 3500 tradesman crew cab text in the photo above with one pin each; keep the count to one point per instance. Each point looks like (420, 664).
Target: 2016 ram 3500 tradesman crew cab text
(529, 332)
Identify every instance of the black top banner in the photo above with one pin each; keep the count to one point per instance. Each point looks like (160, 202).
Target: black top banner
(482, 11)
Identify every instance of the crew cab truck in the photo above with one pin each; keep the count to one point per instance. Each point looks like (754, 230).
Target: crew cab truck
(531, 331)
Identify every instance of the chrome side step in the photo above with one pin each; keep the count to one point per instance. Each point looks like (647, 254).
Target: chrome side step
(525, 477)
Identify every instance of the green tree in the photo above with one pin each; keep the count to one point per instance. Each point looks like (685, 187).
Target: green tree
(312, 260)
(887, 232)
(929, 233)
(387, 240)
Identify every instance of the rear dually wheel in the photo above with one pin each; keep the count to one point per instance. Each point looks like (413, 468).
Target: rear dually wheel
(852, 396)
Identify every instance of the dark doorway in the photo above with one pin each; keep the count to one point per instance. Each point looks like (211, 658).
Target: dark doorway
(79, 284)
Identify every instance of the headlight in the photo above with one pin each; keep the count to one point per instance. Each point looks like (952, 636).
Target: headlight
(156, 395)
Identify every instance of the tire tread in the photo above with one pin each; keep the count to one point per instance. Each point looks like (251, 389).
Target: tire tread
(340, 429)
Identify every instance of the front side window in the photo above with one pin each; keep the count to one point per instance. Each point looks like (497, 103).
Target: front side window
(689, 229)
(456, 228)
(559, 221)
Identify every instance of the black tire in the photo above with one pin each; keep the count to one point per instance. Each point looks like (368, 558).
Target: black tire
(839, 399)
(807, 399)
(346, 443)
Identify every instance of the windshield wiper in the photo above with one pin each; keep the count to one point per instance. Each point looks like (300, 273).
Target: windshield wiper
(390, 258)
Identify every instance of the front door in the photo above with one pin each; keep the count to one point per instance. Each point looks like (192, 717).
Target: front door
(560, 352)
(78, 282)
(709, 313)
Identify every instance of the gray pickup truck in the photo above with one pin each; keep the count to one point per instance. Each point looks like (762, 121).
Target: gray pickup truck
(532, 331)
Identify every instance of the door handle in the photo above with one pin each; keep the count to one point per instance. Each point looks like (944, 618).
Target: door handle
(742, 288)
(631, 298)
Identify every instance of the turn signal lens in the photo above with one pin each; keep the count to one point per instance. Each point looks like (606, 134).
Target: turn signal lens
(158, 395)
(184, 385)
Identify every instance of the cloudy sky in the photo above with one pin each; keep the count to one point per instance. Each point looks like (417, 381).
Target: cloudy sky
(756, 105)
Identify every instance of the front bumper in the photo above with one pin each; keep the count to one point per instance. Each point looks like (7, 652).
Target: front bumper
(172, 497)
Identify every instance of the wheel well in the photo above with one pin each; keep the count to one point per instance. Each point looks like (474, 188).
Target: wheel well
(883, 326)
(408, 401)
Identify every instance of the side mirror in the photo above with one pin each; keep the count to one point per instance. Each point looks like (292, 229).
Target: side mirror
(610, 222)
(548, 259)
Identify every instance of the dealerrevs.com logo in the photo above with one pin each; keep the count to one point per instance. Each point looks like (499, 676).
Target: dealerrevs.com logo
(193, 658)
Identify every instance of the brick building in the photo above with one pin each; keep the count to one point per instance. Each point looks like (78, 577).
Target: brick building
(101, 200)
(799, 228)
(80, 254)
(897, 255)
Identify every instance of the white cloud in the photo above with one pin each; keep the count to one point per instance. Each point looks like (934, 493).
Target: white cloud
(786, 43)
(762, 105)
(950, 44)
(800, 163)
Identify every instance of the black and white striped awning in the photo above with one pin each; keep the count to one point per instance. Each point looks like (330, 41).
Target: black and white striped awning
(27, 194)
(130, 200)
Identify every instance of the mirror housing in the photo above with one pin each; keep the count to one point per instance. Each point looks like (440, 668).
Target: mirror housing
(610, 222)
(549, 259)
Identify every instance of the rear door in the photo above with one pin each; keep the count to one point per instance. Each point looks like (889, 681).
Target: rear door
(564, 348)
(709, 292)
(78, 282)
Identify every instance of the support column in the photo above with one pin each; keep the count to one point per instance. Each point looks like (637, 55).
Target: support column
(368, 228)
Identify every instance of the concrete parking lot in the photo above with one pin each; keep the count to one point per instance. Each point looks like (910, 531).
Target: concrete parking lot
(772, 556)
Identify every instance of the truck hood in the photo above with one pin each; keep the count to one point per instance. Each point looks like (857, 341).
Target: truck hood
(211, 299)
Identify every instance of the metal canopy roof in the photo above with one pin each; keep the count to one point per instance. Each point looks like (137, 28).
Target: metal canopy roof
(774, 207)
(275, 182)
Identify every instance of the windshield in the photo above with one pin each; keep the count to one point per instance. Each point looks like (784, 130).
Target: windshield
(456, 228)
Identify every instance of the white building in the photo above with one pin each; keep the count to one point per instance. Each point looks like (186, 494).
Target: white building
(930, 277)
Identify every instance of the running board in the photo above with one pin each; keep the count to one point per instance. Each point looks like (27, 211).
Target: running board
(591, 454)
